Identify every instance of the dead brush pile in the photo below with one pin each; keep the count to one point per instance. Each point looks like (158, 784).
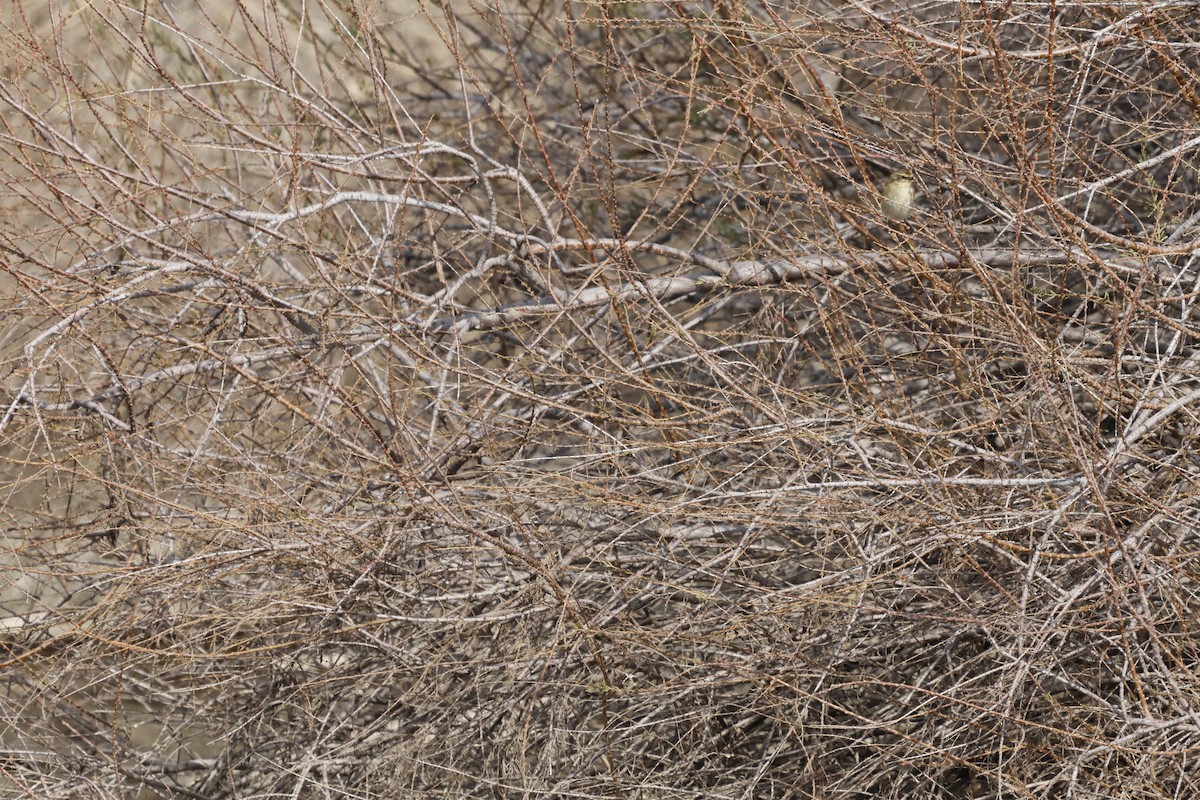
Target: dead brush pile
(537, 402)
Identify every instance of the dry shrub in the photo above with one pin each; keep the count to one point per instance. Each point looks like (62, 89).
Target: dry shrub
(533, 401)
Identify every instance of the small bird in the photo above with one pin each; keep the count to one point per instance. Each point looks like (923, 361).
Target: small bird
(899, 196)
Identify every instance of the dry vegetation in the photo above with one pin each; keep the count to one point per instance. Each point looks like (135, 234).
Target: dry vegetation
(535, 403)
